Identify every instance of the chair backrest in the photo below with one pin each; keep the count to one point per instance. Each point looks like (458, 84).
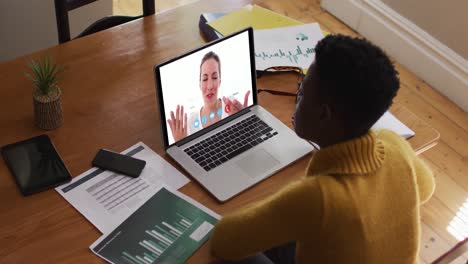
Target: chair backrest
(62, 7)
(458, 250)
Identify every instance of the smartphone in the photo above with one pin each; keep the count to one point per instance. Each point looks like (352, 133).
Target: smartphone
(116, 162)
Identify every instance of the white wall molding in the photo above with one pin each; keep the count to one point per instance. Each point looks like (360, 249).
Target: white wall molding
(408, 44)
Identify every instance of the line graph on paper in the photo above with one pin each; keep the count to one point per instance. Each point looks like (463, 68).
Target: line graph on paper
(292, 55)
(286, 46)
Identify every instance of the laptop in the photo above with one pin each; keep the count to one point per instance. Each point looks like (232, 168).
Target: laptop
(211, 122)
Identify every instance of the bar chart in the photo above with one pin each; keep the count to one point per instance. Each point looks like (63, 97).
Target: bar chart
(166, 229)
(162, 237)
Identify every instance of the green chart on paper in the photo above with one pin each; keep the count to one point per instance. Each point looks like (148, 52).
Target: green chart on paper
(292, 55)
(166, 229)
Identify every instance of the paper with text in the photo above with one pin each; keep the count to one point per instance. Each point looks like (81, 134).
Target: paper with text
(286, 46)
(106, 198)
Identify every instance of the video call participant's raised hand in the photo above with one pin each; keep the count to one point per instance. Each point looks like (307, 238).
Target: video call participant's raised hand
(233, 106)
(178, 123)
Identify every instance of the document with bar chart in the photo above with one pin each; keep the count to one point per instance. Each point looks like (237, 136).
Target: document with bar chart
(168, 228)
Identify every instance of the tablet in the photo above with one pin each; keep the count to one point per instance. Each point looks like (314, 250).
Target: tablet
(35, 164)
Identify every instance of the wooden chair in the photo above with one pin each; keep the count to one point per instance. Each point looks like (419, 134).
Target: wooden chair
(458, 250)
(62, 7)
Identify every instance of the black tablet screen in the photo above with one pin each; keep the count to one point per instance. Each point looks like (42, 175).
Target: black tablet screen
(35, 164)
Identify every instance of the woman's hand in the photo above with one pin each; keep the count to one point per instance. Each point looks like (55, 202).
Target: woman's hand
(235, 106)
(178, 123)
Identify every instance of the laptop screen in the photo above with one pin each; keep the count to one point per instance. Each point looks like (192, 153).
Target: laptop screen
(205, 86)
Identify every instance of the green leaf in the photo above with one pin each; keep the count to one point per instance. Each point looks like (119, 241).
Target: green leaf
(46, 64)
(44, 74)
(37, 71)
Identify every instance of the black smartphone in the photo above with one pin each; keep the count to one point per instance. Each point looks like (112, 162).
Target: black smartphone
(120, 163)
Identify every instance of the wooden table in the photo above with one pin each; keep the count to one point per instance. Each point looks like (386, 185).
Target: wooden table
(110, 102)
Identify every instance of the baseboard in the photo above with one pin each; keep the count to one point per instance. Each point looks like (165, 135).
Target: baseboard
(408, 44)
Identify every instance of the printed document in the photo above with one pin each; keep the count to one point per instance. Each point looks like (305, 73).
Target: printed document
(168, 228)
(286, 46)
(106, 198)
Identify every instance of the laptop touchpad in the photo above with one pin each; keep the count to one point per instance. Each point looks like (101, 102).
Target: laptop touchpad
(257, 163)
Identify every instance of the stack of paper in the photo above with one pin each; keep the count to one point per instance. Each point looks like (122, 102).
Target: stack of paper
(144, 219)
(279, 40)
(251, 16)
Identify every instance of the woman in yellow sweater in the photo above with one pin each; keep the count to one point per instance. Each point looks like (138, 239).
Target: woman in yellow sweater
(360, 199)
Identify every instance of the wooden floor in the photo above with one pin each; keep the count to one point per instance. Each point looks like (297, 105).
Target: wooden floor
(448, 160)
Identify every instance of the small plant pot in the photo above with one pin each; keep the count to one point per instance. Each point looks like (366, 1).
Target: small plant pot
(48, 112)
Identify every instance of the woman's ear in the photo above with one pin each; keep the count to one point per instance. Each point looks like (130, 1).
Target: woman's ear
(325, 112)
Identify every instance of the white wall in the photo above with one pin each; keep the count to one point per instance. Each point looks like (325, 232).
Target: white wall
(423, 54)
(29, 25)
(446, 20)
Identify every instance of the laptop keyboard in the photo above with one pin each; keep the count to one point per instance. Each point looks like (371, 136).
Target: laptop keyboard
(230, 142)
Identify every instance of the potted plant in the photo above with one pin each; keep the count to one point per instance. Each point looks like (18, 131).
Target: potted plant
(46, 93)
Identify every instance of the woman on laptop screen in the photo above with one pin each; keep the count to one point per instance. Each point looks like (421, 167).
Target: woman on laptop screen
(213, 109)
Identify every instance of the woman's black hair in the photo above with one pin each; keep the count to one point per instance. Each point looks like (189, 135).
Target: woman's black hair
(357, 77)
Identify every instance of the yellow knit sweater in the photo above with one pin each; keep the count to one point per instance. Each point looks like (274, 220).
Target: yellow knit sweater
(358, 203)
